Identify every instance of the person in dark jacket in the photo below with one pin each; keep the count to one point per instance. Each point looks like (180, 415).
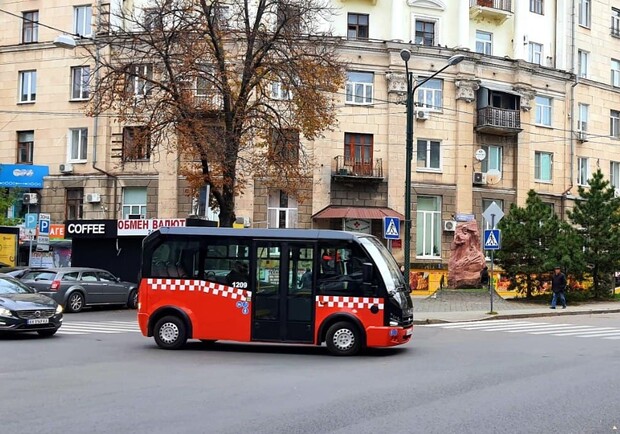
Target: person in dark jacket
(484, 276)
(558, 286)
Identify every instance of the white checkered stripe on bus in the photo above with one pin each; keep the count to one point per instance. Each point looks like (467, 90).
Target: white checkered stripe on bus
(199, 286)
(350, 302)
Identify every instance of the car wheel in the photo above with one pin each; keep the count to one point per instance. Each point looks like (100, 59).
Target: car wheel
(75, 302)
(47, 333)
(343, 339)
(170, 333)
(132, 302)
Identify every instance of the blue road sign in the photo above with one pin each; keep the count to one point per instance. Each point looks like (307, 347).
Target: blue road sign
(391, 228)
(492, 239)
(44, 224)
(31, 220)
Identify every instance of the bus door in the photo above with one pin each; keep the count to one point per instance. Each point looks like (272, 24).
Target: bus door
(283, 307)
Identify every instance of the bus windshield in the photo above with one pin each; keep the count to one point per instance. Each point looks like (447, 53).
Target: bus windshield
(394, 280)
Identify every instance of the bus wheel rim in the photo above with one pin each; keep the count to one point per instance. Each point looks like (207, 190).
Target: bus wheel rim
(344, 339)
(169, 333)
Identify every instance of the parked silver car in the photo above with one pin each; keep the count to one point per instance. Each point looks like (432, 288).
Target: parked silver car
(77, 287)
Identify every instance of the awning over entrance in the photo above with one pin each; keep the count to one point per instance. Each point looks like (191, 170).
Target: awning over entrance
(353, 212)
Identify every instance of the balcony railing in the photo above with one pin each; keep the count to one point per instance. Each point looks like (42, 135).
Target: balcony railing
(495, 10)
(502, 5)
(347, 169)
(499, 121)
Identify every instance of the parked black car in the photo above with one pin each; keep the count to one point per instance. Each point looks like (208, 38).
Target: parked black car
(78, 287)
(23, 310)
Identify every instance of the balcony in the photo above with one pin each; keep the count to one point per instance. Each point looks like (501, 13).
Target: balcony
(495, 10)
(347, 171)
(501, 122)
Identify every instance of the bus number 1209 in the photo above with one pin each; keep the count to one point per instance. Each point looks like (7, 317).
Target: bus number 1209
(242, 285)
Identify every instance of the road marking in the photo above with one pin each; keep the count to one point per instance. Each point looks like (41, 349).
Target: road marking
(106, 327)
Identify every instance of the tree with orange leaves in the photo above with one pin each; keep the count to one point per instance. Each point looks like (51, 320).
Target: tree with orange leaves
(230, 85)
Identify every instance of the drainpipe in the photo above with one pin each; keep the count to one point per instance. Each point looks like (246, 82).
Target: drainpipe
(96, 119)
(572, 110)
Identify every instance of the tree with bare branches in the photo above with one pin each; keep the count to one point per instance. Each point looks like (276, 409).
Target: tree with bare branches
(229, 85)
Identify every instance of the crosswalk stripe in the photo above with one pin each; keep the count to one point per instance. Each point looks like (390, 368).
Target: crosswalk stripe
(597, 335)
(592, 329)
(103, 327)
(454, 325)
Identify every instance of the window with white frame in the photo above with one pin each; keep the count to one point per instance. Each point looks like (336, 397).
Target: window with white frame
(140, 79)
(134, 202)
(583, 171)
(582, 120)
(428, 230)
(536, 6)
(543, 166)
(78, 144)
(585, 13)
(281, 210)
(615, 73)
(279, 91)
(30, 27)
(614, 124)
(25, 147)
(484, 42)
(493, 159)
(359, 87)
(430, 94)
(583, 63)
(425, 32)
(27, 86)
(80, 75)
(535, 53)
(614, 175)
(615, 22)
(82, 20)
(543, 110)
(429, 155)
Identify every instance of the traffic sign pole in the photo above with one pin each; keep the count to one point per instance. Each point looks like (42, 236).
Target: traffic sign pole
(491, 286)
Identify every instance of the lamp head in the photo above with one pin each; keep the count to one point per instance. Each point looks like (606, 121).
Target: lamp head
(405, 55)
(457, 58)
(65, 41)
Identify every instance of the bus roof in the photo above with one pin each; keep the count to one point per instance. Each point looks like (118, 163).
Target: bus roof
(298, 234)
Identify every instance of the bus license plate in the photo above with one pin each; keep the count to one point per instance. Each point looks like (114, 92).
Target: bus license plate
(38, 321)
(409, 332)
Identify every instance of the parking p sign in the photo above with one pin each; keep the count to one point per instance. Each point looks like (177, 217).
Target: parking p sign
(44, 224)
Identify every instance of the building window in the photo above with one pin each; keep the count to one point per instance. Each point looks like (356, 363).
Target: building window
(535, 53)
(27, 86)
(359, 87)
(285, 146)
(280, 92)
(134, 202)
(543, 166)
(429, 155)
(583, 63)
(136, 143)
(358, 150)
(484, 42)
(536, 6)
(104, 19)
(585, 13)
(152, 19)
(425, 32)
(614, 124)
(493, 159)
(614, 175)
(615, 22)
(78, 144)
(80, 76)
(615, 73)
(582, 120)
(543, 110)
(25, 147)
(430, 94)
(30, 27)
(357, 26)
(281, 210)
(582, 171)
(74, 203)
(428, 231)
(82, 20)
(140, 79)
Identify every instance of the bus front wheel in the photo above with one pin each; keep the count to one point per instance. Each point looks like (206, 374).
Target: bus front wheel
(343, 339)
(170, 333)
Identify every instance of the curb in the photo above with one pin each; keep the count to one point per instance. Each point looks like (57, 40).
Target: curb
(488, 317)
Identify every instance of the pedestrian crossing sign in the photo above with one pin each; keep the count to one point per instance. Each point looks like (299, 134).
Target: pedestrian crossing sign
(391, 228)
(491, 239)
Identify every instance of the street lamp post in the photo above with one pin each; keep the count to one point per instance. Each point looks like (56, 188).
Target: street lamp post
(406, 55)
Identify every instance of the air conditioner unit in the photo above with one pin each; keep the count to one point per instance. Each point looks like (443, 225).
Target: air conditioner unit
(422, 115)
(244, 220)
(30, 199)
(480, 178)
(582, 136)
(449, 225)
(93, 198)
(66, 168)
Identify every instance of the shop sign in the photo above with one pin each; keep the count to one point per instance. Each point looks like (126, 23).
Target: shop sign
(143, 227)
(90, 229)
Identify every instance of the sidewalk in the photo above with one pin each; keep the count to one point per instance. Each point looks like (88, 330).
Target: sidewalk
(474, 305)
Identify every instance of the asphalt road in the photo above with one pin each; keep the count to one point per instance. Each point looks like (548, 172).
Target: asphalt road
(447, 380)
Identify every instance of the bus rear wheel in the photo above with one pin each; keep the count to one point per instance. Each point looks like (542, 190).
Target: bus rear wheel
(170, 333)
(343, 339)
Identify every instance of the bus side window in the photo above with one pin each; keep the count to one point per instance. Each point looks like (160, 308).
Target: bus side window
(341, 272)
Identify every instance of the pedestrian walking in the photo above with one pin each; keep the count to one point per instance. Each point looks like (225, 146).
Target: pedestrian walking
(484, 276)
(558, 286)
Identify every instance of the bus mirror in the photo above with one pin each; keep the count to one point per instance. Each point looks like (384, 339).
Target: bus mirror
(367, 272)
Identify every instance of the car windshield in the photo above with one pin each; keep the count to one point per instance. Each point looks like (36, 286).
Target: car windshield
(10, 286)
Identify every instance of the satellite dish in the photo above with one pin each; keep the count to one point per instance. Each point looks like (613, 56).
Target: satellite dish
(480, 154)
(493, 176)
